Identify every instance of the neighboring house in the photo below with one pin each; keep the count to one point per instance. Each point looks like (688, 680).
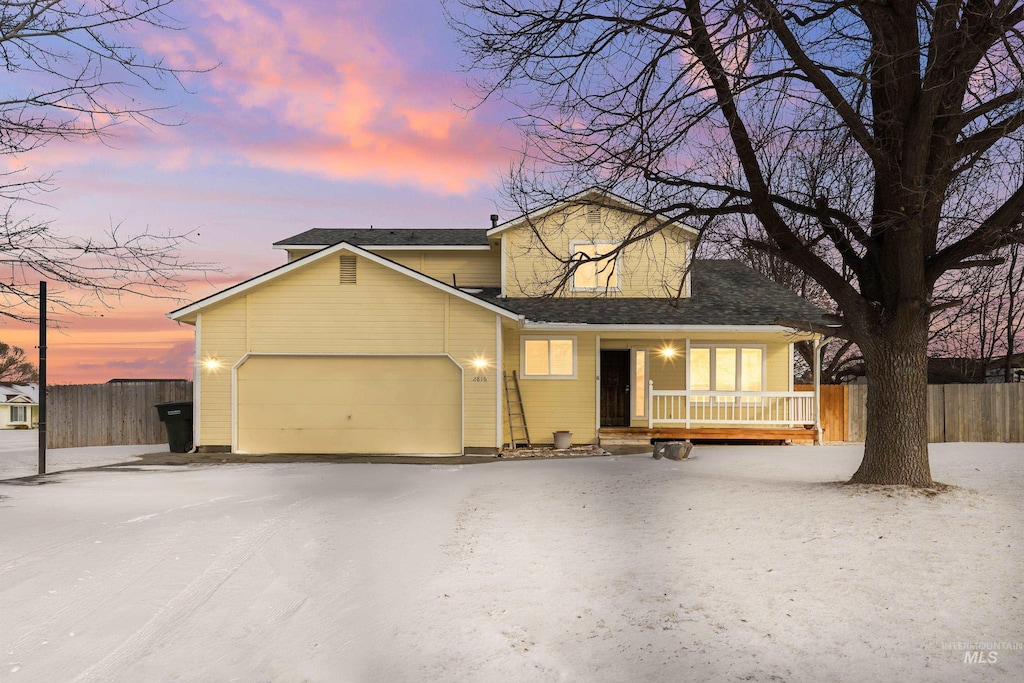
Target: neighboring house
(20, 409)
(995, 373)
(398, 341)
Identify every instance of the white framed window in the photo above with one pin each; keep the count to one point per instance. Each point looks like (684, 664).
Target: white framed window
(641, 377)
(548, 357)
(598, 275)
(19, 414)
(723, 367)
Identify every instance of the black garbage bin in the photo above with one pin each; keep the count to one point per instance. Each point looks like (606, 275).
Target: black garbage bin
(177, 418)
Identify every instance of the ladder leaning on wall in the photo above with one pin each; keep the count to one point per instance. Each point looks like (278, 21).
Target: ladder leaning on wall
(516, 416)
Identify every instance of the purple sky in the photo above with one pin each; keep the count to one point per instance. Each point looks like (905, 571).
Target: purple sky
(320, 114)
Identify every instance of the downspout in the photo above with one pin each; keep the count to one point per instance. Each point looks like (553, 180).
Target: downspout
(197, 384)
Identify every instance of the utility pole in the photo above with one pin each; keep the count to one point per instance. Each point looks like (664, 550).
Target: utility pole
(42, 377)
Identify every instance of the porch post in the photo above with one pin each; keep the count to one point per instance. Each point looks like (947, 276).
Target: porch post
(650, 404)
(817, 390)
(597, 388)
(686, 370)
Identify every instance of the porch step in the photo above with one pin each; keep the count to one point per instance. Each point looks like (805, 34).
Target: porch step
(614, 435)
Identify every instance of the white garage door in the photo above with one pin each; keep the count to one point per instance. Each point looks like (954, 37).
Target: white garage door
(349, 404)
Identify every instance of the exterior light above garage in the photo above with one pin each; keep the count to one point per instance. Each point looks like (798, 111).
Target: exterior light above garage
(211, 364)
(480, 363)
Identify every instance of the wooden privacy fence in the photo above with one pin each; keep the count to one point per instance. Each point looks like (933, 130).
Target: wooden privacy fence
(956, 412)
(117, 414)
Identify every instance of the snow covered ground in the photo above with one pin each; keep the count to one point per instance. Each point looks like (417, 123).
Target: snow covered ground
(19, 454)
(742, 564)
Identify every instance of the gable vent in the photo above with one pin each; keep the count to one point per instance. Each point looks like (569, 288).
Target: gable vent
(593, 215)
(347, 270)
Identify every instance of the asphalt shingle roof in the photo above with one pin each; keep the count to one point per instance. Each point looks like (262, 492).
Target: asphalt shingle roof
(380, 237)
(723, 293)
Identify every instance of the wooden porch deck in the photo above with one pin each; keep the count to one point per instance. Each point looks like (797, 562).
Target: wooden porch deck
(627, 435)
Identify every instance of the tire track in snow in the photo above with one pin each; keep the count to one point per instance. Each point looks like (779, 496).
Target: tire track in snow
(143, 518)
(191, 598)
(80, 608)
(111, 534)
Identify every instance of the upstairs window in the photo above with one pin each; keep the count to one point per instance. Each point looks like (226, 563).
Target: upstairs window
(601, 274)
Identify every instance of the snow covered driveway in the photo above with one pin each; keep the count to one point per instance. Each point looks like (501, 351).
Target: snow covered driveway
(19, 454)
(741, 564)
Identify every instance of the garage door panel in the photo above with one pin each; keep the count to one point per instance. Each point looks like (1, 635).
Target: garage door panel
(326, 417)
(354, 441)
(349, 404)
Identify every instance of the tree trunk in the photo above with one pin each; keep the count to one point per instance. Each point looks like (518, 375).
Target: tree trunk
(896, 443)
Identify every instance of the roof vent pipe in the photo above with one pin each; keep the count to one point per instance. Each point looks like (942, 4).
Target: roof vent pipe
(494, 220)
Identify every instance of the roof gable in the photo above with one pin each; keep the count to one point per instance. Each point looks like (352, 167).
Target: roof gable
(282, 271)
(590, 197)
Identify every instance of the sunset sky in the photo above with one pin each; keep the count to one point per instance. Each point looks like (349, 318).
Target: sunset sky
(320, 114)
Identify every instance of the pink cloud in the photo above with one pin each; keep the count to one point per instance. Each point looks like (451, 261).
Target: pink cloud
(137, 341)
(322, 89)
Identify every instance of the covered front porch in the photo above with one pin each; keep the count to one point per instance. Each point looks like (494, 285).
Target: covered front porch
(726, 387)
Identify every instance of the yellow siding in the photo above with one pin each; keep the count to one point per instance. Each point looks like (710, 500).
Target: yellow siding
(556, 404)
(222, 336)
(652, 267)
(472, 336)
(471, 268)
(308, 311)
(295, 254)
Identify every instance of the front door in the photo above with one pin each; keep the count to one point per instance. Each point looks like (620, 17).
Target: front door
(614, 387)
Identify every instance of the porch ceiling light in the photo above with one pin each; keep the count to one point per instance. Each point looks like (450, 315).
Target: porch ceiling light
(667, 351)
(211, 364)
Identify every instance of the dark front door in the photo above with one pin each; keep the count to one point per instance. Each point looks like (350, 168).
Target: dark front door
(614, 387)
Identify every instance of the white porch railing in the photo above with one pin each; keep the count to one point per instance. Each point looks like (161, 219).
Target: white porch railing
(687, 407)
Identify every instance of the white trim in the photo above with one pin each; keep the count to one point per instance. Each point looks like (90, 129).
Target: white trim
(616, 268)
(197, 386)
(603, 327)
(610, 199)
(432, 247)
(791, 366)
(817, 387)
(504, 263)
(312, 258)
(499, 381)
(738, 346)
(731, 407)
(392, 247)
(549, 338)
(597, 387)
(241, 361)
(633, 383)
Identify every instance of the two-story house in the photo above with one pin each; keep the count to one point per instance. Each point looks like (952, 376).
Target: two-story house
(405, 341)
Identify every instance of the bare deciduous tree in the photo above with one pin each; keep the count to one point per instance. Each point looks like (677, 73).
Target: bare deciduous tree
(76, 69)
(708, 108)
(15, 368)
